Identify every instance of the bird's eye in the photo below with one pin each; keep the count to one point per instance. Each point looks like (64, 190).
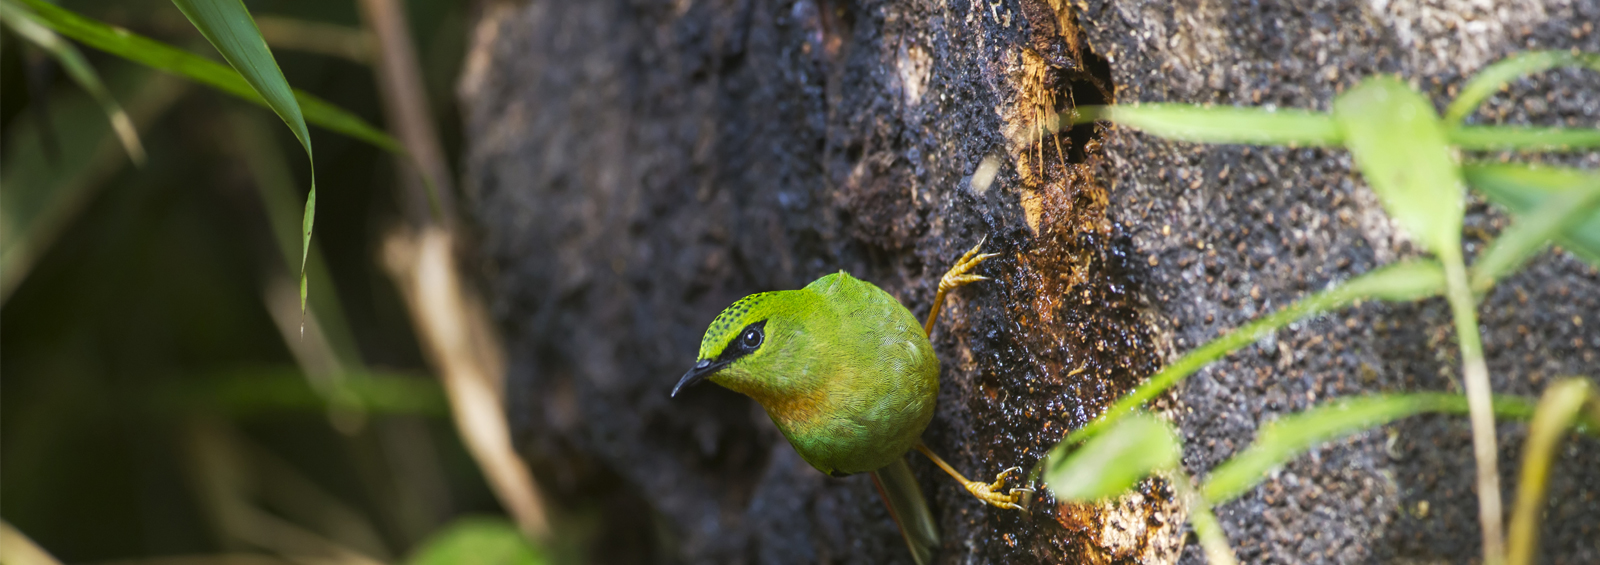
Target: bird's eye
(751, 339)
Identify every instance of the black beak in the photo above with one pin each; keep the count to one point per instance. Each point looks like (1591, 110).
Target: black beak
(702, 370)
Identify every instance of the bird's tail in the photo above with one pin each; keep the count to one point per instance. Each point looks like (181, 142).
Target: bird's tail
(903, 495)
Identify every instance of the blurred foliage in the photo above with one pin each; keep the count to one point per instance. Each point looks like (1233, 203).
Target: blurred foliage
(478, 541)
(1115, 460)
(157, 401)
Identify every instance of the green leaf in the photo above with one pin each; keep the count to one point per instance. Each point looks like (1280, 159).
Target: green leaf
(1397, 282)
(1220, 124)
(25, 23)
(160, 56)
(281, 200)
(1284, 439)
(1522, 189)
(1530, 232)
(305, 240)
(1114, 461)
(255, 75)
(1491, 77)
(229, 28)
(1401, 150)
(1489, 138)
(478, 541)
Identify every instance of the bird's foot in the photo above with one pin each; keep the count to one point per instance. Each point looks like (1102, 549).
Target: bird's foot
(990, 493)
(957, 275)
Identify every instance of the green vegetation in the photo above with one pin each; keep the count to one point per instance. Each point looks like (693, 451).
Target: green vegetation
(168, 391)
(1408, 156)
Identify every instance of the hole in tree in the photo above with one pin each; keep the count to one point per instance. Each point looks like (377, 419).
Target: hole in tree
(1089, 86)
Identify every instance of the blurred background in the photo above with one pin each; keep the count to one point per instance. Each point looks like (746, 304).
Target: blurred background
(165, 401)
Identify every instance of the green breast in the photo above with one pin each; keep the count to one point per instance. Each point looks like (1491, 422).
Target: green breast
(878, 380)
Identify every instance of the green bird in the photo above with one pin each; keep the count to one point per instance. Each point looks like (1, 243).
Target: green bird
(850, 378)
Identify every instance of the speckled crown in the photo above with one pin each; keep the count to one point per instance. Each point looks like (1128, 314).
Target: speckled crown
(732, 319)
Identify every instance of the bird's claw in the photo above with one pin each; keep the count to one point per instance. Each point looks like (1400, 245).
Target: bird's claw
(990, 492)
(957, 275)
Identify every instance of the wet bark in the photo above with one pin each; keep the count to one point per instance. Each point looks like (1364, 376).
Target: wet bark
(636, 166)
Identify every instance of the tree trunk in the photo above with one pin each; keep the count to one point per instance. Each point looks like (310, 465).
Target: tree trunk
(637, 166)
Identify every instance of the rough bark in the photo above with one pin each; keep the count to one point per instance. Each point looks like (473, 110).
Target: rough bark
(637, 166)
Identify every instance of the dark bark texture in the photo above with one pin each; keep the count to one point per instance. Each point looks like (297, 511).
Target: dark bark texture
(635, 166)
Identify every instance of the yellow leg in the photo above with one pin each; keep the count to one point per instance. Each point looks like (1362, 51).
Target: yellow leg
(987, 492)
(954, 278)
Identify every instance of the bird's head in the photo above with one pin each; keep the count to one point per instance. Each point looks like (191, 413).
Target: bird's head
(743, 342)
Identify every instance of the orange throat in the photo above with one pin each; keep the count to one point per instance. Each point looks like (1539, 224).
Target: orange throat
(795, 413)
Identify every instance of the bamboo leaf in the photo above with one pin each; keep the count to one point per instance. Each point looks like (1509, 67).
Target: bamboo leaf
(1402, 151)
(1220, 124)
(1491, 77)
(280, 199)
(1113, 461)
(164, 57)
(229, 28)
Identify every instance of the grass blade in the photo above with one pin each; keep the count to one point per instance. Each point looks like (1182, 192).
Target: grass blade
(1491, 77)
(1558, 409)
(1220, 124)
(1522, 189)
(24, 22)
(1285, 438)
(1532, 231)
(1114, 461)
(164, 57)
(1396, 282)
(1490, 138)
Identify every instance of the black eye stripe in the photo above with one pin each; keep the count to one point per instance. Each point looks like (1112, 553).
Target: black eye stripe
(748, 341)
